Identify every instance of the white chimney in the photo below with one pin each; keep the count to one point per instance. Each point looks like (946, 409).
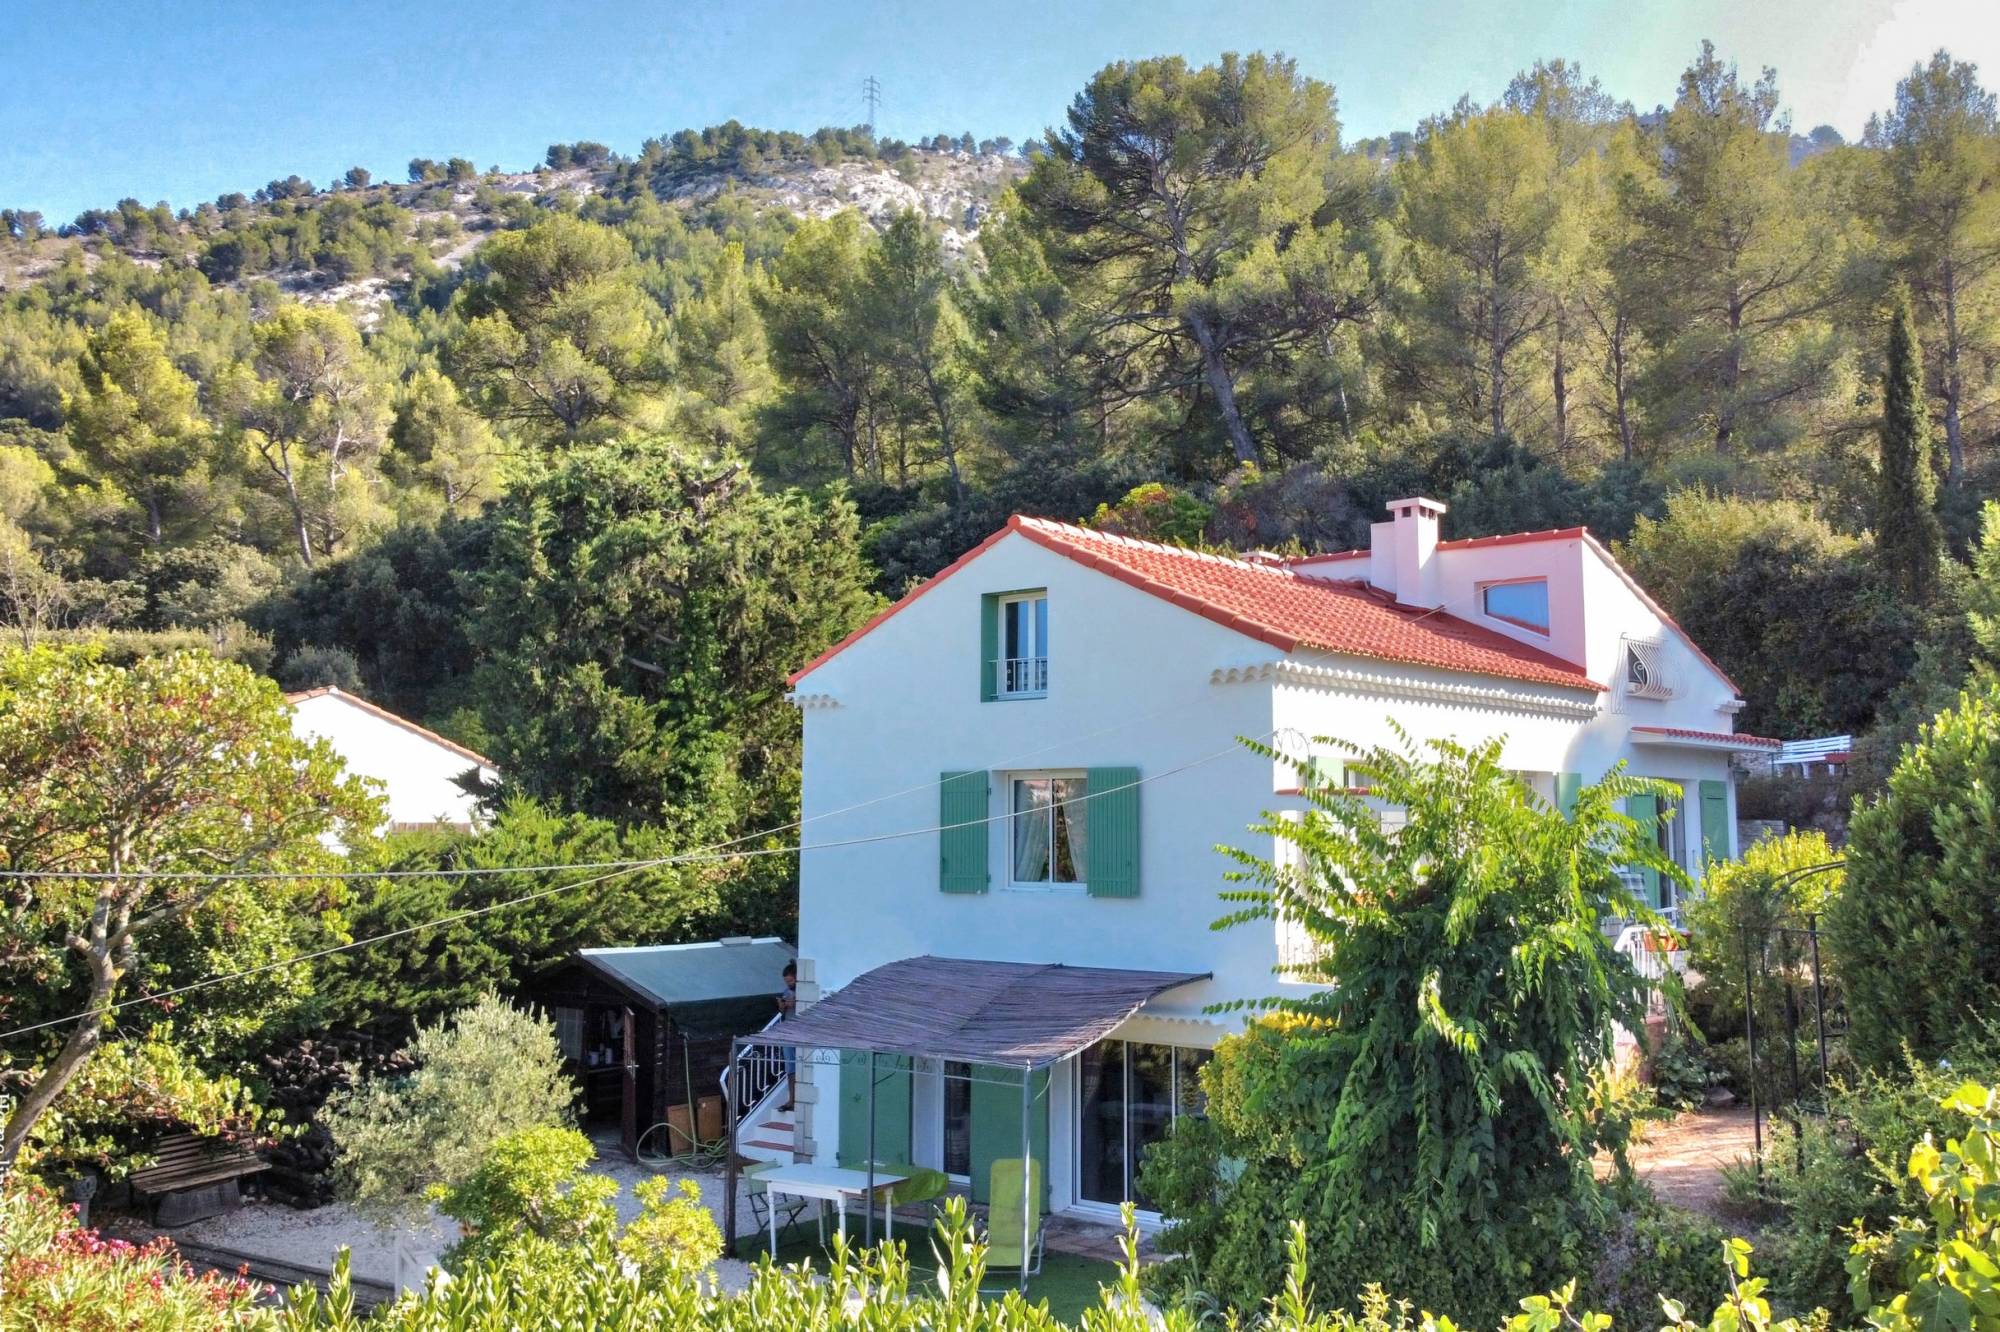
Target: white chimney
(1400, 552)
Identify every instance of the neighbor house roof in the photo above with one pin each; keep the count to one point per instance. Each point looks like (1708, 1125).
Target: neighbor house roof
(330, 691)
(693, 973)
(1290, 611)
(976, 1012)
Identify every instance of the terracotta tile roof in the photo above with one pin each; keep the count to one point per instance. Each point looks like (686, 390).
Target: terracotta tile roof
(1552, 534)
(1463, 543)
(331, 691)
(1288, 610)
(1717, 737)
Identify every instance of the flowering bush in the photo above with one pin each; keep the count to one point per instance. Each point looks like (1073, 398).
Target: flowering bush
(56, 1276)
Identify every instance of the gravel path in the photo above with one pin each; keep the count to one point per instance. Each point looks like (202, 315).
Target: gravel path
(401, 1255)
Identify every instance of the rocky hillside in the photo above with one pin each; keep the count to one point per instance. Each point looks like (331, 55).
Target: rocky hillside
(359, 243)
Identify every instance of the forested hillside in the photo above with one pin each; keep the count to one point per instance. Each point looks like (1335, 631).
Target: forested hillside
(573, 464)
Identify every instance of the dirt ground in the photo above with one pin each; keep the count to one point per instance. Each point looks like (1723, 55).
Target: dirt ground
(1682, 1160)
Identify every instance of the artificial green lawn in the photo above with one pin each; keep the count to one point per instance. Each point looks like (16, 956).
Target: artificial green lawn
(1069, 1283)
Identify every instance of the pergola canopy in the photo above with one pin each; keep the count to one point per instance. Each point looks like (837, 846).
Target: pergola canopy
(1022, 1014)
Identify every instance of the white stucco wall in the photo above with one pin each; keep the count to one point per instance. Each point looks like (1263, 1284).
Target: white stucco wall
(413, 772)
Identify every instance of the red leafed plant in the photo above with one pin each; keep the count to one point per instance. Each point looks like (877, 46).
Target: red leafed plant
(57, 1276)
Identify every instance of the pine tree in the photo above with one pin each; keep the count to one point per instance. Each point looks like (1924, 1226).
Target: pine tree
(1908, 536)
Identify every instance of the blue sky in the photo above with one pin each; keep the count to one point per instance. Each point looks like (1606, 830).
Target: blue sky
(184, 101)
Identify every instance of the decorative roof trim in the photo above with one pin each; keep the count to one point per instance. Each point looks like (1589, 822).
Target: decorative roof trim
(382, 713)
(1692, 739)
(801, 700)
(1343, 679)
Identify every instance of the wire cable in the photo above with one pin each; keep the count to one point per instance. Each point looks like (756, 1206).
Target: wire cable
(704, 856)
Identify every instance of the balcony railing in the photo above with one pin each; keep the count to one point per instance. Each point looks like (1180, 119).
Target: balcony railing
(1023, 677)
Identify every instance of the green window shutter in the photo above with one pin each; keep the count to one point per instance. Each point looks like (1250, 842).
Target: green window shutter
(989, 647)
(1716, 842)
(996, 1124)
(1111, 829)
(892, 1109)
(1646, 809)
(962, 836)
(1568, 786)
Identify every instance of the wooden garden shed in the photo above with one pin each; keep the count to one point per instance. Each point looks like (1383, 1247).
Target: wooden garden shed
(647, 1030)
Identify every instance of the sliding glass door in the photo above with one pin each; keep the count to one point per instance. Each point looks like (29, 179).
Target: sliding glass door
(1128, 1096)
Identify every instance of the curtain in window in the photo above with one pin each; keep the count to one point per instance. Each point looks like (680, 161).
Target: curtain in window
(1072, 820)
(1031, 832)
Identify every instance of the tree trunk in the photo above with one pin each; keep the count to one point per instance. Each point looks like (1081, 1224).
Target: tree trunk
(1621, 393)
(1954, 384)
(98, 950)
(1223, 387)
(947, 444)
(1496, 341)
(1732, 378)
(1560, 387)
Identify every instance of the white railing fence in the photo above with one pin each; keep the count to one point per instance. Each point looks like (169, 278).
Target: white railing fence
(1024, 675)
(1653, 953)
(753, 1075)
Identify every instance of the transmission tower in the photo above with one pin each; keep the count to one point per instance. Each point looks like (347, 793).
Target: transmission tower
(871, 93)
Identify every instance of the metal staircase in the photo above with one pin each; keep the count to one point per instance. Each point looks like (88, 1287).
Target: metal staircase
(754, 1086)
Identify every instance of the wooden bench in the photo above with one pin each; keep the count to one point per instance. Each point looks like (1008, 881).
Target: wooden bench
(184, 1161)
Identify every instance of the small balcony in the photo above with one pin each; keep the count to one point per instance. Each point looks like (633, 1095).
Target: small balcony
(1023, 677)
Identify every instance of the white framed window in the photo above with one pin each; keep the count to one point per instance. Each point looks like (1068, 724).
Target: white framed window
(1046, 830)
(1023, 668)
(569, 1030)
(1521, 602)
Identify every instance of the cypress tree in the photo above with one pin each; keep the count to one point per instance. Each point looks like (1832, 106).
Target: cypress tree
(1908, 537)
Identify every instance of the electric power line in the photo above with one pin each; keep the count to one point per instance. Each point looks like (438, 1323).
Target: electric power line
(704, 856)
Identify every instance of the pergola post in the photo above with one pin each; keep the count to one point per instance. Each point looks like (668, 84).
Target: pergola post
(729, 1163)
(868, 1198)
(1028, 1199)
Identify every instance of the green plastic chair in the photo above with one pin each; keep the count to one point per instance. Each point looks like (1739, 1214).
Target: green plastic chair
(920, 1183)
(1006, 1192)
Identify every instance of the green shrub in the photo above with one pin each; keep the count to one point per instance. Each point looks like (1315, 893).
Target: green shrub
(1918, 927)
(1652, 1251)
(1750, 910)
(532, 1197)
(491, 1072)
(1853, 1163)
(1944, 1269)
(1684, 1072)
(1431, 1117)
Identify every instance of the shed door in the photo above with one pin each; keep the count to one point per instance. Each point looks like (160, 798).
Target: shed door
(629, 1126)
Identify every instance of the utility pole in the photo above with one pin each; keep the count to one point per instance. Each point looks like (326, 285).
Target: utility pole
(871, 93)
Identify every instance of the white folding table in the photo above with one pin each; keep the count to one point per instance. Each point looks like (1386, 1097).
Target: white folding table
(828, 1183)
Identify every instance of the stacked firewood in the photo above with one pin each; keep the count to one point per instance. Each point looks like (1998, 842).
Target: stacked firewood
(301, 1077)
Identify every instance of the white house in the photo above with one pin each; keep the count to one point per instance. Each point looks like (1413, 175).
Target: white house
(1052, 664)
(419, 771)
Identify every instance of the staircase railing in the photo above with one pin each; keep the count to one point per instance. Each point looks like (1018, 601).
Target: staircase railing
(753, 1075)
(1653, 954)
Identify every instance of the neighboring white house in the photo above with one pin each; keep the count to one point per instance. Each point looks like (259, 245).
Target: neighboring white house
(1053, 661)
(419, 771)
